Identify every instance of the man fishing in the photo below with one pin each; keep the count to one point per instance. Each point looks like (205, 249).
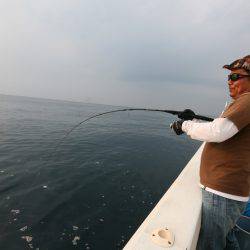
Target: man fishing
(225, 161)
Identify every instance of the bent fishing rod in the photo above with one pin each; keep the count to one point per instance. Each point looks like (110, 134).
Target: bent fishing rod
(187, 114)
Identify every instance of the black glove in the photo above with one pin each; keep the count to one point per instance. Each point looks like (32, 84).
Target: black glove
(176, 126)
(187, 114)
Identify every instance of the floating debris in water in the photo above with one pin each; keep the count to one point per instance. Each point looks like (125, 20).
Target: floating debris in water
(15, 211)
(30, 246)
(45, 186)
(27, 238)
(102, 220)
(75, 228)
(1, 171)
(126, 172)
(74, 241)
(7, 198)
(23, 229)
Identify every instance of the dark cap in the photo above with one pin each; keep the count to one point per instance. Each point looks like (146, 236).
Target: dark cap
(242, 63)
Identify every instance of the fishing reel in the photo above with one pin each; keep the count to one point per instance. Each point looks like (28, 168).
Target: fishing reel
(187, 114)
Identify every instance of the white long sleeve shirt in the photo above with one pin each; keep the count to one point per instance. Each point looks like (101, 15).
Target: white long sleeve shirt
(219, 130)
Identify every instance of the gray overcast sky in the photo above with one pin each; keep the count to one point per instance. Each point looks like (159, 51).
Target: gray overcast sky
(156, 53)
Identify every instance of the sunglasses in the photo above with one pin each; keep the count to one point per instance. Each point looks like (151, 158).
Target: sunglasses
(235, 77)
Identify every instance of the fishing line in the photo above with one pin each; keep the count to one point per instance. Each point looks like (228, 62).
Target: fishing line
(187, 114)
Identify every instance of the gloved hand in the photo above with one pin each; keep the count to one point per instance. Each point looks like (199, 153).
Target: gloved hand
(176, 126)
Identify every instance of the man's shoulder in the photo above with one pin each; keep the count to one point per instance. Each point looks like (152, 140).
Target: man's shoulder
(243, 99)
(245, 96)
(239, 111)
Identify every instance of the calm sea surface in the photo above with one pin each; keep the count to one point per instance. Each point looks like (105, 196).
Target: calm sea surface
(100, 184)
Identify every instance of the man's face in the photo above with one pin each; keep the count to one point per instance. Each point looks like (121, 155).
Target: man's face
(242, 85)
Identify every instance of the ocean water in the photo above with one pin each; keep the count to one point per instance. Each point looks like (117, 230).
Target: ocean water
(96, 189)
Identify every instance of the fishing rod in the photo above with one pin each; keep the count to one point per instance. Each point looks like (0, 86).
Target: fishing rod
(187, 114)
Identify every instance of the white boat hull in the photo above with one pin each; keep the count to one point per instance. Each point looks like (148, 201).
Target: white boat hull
(179, 210)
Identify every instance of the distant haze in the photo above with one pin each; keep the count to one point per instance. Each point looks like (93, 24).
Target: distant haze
(142, 53)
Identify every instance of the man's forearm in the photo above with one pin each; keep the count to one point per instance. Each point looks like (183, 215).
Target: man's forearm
(218, 130)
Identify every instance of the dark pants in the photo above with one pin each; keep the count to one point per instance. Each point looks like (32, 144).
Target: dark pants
(219, 216)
